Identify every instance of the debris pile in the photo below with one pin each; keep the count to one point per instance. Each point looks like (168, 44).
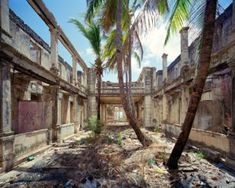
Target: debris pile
(116, 159)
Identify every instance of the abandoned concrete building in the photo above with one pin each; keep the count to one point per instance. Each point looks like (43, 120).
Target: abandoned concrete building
(45, 100)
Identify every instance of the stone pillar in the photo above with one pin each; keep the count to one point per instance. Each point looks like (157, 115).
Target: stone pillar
(148, 108)
(230, 160)
(233, 16)
(4, 13)
(75, 114)
(54, 51)
(74, 73)
(59, 108)
(7, 137)
(148, 104)
(164, 108)
(56, 111)
(92, 103)
(85, 113)
(85, 78)
(184, 46)
(183, 105)
(164, 68)
(4, 21)
(70, 110)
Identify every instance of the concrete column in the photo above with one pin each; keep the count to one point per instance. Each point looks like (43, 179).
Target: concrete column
(5, 99)
(59, 108)
(233, 16)
(92, 106)
(70, 110)
(183, 105)
(164, 108)
(148, 78)
(232, 67)
(230, 160)
(75, 113)
(92, 81)
(148, 108)
(7, 137)
(4, 21)
(4, 13)
(74, 74)
(54, 51)
(85, 113)
(184, 46)
(85, 78)
(92, 103)
(164, 67)
(56, 111)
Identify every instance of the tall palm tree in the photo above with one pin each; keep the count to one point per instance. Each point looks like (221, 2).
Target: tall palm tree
(108, 21)
(179, 13)
(93, 34)
(199, 82)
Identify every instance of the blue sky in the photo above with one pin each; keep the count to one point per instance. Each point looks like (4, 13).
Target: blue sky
(63, 10)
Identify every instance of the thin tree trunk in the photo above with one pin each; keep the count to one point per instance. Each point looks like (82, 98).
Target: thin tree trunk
(99, 80)
(202, 72)
(127, 108)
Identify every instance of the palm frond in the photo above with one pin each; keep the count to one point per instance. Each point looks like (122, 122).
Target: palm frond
(92, 33)
(138, 58)
(179, 14)
(93, 7)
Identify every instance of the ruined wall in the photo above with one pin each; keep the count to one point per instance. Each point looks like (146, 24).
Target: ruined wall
(206, 138)
(214, 111)
(26, 143)
(27, 42)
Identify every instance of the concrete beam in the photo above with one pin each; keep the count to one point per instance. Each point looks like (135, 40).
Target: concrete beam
(34, 70)
(50, 20)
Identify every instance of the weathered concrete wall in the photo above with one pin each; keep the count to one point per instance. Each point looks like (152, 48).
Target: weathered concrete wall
(206, 138)
(214, 112)
(33, 116)
(26, 143)
(65, 130)
(27, 42)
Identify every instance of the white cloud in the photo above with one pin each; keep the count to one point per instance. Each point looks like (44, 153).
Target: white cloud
(89, 52)
(153, 44)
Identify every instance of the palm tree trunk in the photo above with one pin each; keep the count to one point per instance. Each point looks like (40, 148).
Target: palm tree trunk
(202, 72)
(124, 99)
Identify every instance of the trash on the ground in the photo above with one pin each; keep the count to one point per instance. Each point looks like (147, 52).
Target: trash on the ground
(30, 158)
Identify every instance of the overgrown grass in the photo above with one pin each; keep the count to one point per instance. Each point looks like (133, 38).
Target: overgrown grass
(200, 155)
(94, 125)
(119, 139)
(116, 138)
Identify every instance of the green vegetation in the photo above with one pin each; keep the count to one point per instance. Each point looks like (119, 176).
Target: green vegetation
(119, 139)
(157, 129)
(94, 125)
(152, 162)
(200, 155)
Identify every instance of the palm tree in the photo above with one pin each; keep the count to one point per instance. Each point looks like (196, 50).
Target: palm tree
(108, 20)
(179, 13)
(93, 35)
(199, 82)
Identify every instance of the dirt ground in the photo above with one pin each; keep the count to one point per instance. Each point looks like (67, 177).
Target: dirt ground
(116, 159)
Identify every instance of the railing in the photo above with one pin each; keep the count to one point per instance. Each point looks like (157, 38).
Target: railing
(113, 88)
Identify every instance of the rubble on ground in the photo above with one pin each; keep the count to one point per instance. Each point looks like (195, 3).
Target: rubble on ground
(116, 159)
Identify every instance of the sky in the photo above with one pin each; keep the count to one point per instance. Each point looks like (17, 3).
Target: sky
(63, 10)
